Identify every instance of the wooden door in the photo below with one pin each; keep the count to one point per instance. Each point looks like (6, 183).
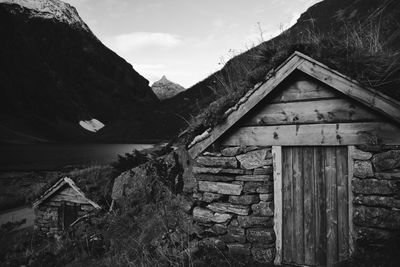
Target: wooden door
(68, 213)
(315, 219)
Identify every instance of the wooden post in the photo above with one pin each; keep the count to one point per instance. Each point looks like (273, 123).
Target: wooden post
(350, 194)
(277, 163)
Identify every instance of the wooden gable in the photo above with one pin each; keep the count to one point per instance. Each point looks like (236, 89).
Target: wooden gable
(65, 190)
(305, 111)
(307, 103)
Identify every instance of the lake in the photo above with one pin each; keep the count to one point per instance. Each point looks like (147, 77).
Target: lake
(19, 157)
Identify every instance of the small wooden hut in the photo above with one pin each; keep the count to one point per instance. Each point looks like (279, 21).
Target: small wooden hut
(303, 166)
(60, 206)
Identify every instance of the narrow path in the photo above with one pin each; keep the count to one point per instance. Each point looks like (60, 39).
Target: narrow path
(18, 214)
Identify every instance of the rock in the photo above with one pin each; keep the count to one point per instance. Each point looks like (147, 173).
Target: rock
(239, 249)
(254, 221)
(267, 197)
(387, 175)
(214, 178)
(258, 187)
(186, 163)
(234, 151)
(221, 188)
(219, 229)
(377, 217)
(263, 209)
(228, 208)
(209, 170)
(235, 234)
(210, 197)
(372, 235)
(386, 160)
(206, 216)
(202, 215)
(185, 202)
(363, 169)
(263, 254)
(221, 217)
(377, 201)
(223, 162)
(234, 222)
(373, 186)
(263, 170)
(212, 154)
(213, 242)
(255, 159)
(361, 155)
(260, 235)
(244, 200)
(253, 178)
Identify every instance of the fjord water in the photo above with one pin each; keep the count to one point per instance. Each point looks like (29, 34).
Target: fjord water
(19, 157)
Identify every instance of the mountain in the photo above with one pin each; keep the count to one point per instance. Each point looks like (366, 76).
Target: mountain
(359, 37)
(55, 75)
(165, 89)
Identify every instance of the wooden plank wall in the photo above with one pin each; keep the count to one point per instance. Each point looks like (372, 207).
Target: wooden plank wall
(315, 229)
(304, 111)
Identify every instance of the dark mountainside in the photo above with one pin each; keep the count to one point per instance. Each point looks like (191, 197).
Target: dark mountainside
(361, 38)
(54, 74)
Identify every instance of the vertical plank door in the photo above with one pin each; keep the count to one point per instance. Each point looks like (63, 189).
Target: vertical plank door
(315, 213)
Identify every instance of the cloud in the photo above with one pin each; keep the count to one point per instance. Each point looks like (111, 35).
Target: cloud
(138, 40)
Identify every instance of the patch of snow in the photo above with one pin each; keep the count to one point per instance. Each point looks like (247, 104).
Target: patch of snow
(51, 9)
(92, 125)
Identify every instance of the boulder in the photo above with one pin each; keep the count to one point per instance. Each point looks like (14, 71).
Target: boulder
(253, 178)
(239, 249)
(377, 201)
(229, 208)
(255, 221)
(267, 197)
(264, 170)
(210, 197)
(221, 217)
(220, 188)
(386, 160)
(258, 187)
(361, 155)
(209, 170)
(363, 169)
(236, 150)
(244, 200)
(219, 229)
(263, 254)
(206, 216)
(260, 235)
(223, 162)
(255, 159)
(214, 178)
(373, 186)
(263, 209)
(387, 175)
(235, 234)
(377, 217)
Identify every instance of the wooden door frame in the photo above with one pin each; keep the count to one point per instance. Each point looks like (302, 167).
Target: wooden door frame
(278, 213)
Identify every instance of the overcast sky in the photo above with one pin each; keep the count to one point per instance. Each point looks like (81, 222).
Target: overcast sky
(186, 40)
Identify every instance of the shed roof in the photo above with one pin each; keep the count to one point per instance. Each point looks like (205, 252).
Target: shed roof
(58, 185)
(298, 61)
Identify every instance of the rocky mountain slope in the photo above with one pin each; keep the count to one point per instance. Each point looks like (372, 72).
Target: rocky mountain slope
(55, 73)
(165, 89)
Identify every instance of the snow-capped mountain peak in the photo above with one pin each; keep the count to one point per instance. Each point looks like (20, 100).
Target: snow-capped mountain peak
(50, 9)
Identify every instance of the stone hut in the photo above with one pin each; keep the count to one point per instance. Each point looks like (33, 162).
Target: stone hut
(60, 206)
(304, 166)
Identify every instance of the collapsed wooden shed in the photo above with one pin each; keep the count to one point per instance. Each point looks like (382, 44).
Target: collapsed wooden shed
(60, 206)
(303, 166)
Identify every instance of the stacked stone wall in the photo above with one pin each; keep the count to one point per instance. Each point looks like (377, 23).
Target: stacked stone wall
(234, 200)
(376, 189)
(47, 216)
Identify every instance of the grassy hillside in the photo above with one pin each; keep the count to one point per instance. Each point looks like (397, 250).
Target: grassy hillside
(359, 38)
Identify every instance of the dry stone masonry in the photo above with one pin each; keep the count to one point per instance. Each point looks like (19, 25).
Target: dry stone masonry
(376, 189)
(234, 200)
